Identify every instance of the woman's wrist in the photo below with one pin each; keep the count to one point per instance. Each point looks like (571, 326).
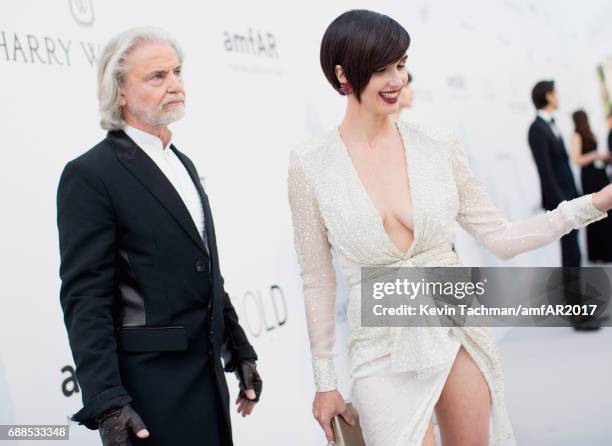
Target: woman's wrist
(601, 200)
(322, 392)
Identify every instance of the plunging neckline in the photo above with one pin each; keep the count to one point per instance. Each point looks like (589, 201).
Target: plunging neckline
(370, 203)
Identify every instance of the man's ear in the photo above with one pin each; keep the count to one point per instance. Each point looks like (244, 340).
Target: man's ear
(340, 74)
(122, 100)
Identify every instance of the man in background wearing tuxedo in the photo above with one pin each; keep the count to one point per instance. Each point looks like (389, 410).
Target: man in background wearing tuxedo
(144, 304)
(557, 182)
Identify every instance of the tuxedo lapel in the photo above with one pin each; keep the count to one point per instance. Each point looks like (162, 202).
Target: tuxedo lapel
(138, 163)
(209, 229)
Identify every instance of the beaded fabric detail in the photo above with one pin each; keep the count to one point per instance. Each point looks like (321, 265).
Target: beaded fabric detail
(331, 211)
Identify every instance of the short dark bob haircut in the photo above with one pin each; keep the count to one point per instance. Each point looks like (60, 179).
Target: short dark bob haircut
(539, 92)
(361, 42)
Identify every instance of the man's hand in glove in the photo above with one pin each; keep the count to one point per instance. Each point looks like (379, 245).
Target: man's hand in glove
(115, 426)
(250, 386)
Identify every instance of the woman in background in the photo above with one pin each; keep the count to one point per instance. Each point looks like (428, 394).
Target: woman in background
(593, 177)
(405, 98)
(609, 120)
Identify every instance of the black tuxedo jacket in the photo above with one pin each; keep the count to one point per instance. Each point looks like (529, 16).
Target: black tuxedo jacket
(143, 299)
(556, 178)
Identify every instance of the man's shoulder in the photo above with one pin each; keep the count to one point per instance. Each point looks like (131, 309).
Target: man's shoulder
(539, 122)
(96, 158)
(538, 126)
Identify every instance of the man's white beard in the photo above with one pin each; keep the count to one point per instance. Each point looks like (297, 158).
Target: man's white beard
(157, 118)
(168, 117)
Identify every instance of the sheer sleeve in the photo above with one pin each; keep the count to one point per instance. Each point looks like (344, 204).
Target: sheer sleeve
(318, 274)
(479, 217)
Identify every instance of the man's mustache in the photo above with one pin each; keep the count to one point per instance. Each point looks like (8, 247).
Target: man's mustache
(173, 99)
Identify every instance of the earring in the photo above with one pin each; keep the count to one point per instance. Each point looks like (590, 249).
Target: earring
(346, 88)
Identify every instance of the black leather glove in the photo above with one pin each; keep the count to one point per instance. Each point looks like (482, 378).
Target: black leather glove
(115, 425)
(249, 378)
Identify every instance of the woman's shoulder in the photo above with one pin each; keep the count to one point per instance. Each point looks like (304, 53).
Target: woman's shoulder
(314, 147)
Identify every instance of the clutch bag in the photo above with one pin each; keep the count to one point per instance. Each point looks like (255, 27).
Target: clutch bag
(347, 435)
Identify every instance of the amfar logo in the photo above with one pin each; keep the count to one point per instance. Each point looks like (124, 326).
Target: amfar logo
(70, 385)
(82, 11)
(257, 43)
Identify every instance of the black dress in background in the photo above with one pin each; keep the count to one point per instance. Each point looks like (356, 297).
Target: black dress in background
(599, 234)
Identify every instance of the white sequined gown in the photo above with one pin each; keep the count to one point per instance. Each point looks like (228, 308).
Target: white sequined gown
(398, 373)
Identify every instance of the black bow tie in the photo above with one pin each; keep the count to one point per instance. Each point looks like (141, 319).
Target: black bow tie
(552, 120)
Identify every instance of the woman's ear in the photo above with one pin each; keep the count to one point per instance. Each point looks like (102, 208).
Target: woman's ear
(340, 74)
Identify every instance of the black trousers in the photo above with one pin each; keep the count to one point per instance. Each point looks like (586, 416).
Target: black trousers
(572, 280)
(570, 251)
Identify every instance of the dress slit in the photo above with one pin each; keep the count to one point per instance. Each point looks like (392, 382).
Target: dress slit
(411, 427)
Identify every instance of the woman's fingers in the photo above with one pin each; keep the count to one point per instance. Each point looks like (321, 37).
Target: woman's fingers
(348, 417)
(325, 423)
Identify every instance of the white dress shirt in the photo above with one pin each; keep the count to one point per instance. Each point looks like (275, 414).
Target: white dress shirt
(172, 167)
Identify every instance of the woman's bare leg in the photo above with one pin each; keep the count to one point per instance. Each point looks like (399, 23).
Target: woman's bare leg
(464, 407)
(430, 439)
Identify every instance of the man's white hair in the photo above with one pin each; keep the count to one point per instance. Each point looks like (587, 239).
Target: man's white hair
(112, 68)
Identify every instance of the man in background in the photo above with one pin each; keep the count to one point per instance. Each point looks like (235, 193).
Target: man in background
(557, 184)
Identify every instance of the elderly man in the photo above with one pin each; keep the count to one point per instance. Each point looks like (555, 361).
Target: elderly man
(144, 304)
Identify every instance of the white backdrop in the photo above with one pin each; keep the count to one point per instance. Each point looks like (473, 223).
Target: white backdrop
(249, 102)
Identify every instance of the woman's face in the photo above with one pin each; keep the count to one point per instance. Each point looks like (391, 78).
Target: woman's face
(382, 94)
(405, 99)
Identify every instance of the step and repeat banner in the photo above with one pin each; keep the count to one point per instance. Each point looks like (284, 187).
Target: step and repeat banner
(254, 91)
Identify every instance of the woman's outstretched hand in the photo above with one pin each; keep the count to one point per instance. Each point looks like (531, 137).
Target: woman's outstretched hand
(327, 405)
(602, 200)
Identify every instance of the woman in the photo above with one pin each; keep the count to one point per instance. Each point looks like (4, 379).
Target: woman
(610, 131)
(380, 192)
(405, 97)
(593, 177)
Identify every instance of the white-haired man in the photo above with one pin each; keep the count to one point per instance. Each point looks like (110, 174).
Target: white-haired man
(144, 304)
